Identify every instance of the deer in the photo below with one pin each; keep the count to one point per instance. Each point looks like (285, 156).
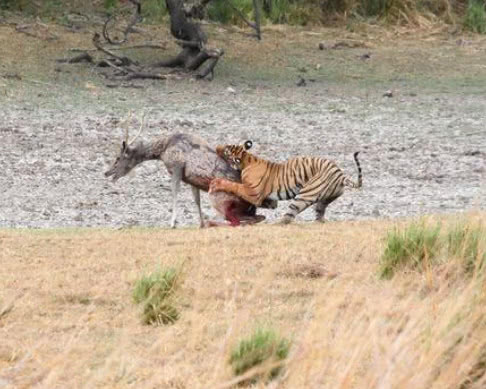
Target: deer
(189, 159)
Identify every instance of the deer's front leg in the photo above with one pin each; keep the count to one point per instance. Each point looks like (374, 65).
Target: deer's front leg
(240, 190)
(176, 184)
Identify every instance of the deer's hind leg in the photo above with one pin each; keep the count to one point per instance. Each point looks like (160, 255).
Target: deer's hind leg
(197, 199)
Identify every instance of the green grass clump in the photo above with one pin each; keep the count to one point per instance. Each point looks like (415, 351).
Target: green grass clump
(468, 243)
(154, 11)
(155, 292)
(222, 12)
(409, 247)
(263, 345)
(475, 18)
(109, 4)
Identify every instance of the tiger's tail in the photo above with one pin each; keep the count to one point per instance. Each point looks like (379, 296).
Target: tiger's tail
(349, 182)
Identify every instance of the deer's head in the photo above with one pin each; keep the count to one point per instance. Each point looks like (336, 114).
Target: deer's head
(129, 157)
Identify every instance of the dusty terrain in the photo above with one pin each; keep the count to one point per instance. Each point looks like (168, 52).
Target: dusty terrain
(67, 319)
(422, 150)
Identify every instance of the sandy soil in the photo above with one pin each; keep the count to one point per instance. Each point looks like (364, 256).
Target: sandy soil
(422, 150)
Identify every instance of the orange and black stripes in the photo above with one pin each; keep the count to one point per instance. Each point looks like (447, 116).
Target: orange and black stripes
(306, 180)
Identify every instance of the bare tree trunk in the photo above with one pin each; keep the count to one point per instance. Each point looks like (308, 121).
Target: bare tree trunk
(256, 10)
(255, 25)
(193, 40)
(195, 57)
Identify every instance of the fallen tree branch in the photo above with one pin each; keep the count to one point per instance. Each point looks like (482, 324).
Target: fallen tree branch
(148, 45)
(31, 30)
(135, 18)
(145, 76)
(83, 57)
(125, 61)
(191, 44)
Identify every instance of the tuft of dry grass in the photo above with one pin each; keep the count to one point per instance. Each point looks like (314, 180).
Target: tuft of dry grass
(155, 292)
(74, 325)
(420, 246)
(263, 346)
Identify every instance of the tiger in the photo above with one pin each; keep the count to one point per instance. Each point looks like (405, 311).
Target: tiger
(306, 180)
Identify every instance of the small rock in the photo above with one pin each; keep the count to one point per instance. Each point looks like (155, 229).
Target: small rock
(388, 93)
(301, 82)
(365, 56)
(472, 153)
(318, 66)
(397, 149)
(231, 90)
(375, 212)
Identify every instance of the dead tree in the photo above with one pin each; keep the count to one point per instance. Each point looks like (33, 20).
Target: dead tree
(195, 58)
(189, 159)
(195, 55)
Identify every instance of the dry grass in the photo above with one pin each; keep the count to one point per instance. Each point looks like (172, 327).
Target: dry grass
(73, 322)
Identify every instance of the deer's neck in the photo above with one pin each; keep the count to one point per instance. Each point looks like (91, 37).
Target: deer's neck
(152, 150)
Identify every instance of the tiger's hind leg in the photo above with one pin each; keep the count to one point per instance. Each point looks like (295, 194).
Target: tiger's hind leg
(321, 206)
(308, 195)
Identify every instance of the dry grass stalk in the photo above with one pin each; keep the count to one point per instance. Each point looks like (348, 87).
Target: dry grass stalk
(420, 330)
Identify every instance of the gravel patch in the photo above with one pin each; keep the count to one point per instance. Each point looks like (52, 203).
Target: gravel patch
(420, 153)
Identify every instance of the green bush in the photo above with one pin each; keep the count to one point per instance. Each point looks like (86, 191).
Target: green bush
(263, 345)
(409, 247)
(475, 19)
(468, 243)
(154, 11)
(155, 293)
(109, 4)
(221, 11)
(464, 243)
(369, 8)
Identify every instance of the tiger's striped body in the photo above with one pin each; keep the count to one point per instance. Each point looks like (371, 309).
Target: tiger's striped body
(306, 180)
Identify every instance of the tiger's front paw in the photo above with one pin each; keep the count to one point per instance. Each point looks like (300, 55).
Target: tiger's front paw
(216, 185)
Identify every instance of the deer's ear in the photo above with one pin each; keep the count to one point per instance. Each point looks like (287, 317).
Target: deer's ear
(124, 145)
(248, 144)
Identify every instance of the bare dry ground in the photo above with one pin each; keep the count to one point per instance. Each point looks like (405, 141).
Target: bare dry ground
(422, 149)
(67, 319)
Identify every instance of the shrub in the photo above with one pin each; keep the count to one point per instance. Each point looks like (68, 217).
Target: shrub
(155, 292)
(475, 19)
(468, 243)
(222, 11)
(109, 4)
(410, 247)
(263, 345)
(154, 11)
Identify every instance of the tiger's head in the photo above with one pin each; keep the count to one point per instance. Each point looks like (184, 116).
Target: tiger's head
(234, 154)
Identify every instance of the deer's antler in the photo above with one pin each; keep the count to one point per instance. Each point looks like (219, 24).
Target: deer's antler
(125, 124)
(139, 131)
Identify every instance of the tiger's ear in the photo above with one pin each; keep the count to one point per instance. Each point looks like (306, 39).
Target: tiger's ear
(248, 144)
